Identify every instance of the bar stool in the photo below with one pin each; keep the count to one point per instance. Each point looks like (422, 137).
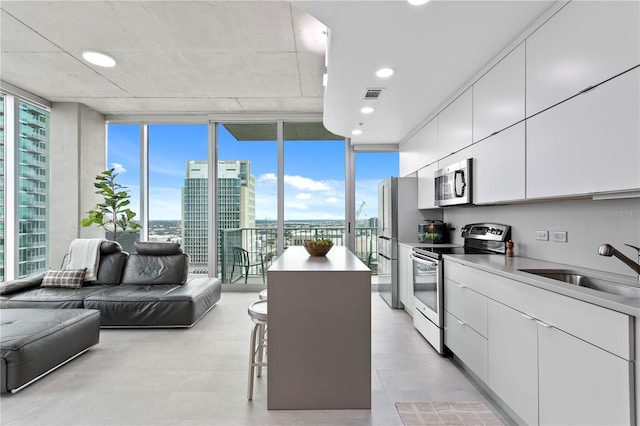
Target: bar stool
(263, 295)
(258, 313)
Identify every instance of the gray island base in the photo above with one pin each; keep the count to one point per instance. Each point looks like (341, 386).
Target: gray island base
(319, 331)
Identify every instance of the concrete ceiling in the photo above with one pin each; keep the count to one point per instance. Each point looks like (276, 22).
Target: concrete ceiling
(174, 57)
(259, 57)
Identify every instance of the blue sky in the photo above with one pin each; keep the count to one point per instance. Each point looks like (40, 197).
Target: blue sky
(314, 171)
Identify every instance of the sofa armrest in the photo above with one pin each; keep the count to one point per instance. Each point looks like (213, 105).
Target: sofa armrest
(21, 284)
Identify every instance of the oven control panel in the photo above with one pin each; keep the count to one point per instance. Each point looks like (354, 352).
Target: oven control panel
(486, 231)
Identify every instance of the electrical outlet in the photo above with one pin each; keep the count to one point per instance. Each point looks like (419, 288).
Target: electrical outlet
(559, 236)
(542, 235)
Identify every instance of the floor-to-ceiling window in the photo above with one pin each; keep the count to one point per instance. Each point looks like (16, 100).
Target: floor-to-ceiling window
(251, 161)
(314, 184)
(179, 189)
(123, 155)
(247, 200)
(370, 169)
(33, 188)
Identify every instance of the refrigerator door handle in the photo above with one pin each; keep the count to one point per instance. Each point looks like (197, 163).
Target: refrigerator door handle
(385, 256)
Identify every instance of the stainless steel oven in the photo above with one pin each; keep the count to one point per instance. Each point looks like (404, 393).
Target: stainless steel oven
(428, 317)
(428, 274)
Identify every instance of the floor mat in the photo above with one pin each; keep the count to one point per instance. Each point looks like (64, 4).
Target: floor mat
(446, 413)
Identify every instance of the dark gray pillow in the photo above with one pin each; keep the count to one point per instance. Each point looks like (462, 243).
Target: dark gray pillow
(157, 248)
(21, 284)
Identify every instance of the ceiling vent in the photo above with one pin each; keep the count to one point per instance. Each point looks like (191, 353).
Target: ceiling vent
(373, 93)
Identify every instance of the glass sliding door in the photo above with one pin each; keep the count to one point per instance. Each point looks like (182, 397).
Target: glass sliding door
(247, 201)
(314, 184)
(123, 155)
(370, 169)
(179, 189)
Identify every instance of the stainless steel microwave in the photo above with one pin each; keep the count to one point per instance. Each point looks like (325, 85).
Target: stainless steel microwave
(453, 184)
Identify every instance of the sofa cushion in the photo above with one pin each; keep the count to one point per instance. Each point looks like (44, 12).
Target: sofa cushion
(45, 297)
(64, 278)
(152, 248)
(110, 269)
(21, 284)
(151, 270)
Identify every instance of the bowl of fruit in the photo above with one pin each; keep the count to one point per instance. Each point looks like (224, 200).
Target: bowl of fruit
(318, 247)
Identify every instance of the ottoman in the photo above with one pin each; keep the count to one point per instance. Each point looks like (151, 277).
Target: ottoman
(34, 342)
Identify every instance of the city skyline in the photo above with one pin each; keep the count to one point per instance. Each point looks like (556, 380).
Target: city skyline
(314, 171)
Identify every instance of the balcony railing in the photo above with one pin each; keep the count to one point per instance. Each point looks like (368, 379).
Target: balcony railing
(261, 243)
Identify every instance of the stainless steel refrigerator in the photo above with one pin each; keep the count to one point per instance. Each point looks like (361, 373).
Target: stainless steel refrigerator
(398, 219)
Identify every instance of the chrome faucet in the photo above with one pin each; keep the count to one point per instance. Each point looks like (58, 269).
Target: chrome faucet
(608, 250)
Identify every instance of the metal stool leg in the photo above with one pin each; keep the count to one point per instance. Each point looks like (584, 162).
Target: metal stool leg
(262, 348)
(252, 360)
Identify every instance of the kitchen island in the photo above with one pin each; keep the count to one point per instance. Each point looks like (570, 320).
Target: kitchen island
(319, 343)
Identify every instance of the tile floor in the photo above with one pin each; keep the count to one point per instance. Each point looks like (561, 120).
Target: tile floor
(198, 376)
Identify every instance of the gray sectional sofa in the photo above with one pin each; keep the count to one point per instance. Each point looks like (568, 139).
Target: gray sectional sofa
(146, 289)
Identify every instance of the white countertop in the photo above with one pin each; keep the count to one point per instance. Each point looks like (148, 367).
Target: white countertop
(508, 267)
(339, 258)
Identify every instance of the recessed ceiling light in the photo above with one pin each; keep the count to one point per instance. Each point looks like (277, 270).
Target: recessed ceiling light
(356, 132)
(384, 72)
(417, 2)
(366, 110)
(99, 59)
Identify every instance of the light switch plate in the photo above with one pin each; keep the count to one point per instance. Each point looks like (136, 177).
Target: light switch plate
(542, 235)
(559, 236)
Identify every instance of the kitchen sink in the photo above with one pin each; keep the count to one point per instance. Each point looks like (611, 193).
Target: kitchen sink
(576, 278)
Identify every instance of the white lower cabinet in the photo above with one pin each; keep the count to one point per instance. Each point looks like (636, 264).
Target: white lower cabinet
(581, 384)
(513, 360)
(529, 355)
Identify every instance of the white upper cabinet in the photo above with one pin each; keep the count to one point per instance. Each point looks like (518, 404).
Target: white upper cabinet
(426, 187)
(498, 97)
(420, 150)
(455, 125)
(499, 166)
(582, 45)
(589, 144)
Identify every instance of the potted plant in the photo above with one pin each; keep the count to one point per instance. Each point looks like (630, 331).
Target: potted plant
(112, 215)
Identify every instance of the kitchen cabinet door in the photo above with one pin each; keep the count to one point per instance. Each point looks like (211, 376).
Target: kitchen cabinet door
(513, 359)
(403, 278)
(498, 97)
(455, 126)
(467, 344)
(499, 166)
(426, 187)
(585, 43)
(580, 384)
(420, 150)
(588, 144)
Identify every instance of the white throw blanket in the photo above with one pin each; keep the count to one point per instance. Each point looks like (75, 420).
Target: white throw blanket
(85, 253)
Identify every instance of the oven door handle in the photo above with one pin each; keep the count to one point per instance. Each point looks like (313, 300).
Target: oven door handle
(423, 261)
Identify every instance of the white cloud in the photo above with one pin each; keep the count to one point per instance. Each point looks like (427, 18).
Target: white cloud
(119, 168)
(267, 178)
(303, 183)
(332, 200)
(296, 205)
(303, 196)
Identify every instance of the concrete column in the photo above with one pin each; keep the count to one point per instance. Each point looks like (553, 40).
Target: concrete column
(77, 155)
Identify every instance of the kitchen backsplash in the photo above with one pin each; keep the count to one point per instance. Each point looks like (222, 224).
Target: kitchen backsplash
(588, 224)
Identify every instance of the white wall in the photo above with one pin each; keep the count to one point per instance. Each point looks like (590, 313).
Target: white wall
(77, 155)
(589, 224)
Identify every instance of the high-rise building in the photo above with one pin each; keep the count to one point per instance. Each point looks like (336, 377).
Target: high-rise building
(236, 206)
(33, 188)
